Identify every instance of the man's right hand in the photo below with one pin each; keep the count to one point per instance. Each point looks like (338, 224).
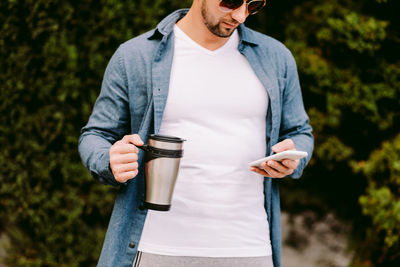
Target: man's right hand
(124, 156)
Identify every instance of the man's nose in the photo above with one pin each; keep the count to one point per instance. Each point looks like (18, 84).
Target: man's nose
(240, 14)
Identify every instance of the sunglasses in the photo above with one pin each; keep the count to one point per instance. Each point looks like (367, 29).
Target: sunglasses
(253, 6)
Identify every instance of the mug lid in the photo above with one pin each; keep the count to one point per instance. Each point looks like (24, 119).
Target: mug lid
(166, 138)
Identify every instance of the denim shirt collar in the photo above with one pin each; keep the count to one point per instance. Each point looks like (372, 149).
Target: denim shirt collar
(166, 26)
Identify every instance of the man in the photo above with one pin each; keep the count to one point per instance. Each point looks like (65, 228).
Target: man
(234, 95)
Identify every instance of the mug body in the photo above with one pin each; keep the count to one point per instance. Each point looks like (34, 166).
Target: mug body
(163, 157)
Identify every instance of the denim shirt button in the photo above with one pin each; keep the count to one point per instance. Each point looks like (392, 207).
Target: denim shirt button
(141, 207)
(131, 245)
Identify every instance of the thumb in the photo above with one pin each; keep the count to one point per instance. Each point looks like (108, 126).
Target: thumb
(286, 144)
(133, 139)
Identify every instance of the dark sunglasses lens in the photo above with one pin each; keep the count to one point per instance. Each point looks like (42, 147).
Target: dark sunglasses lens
(255, 6)
(231, 4)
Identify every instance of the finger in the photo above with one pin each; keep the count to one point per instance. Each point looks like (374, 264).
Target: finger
(123, 177)
(265, 169)
(286, 144)
(137, 140)
(272, 172)
(265, 173)
(124, 158)
(291, 164)
(132, 139)
(123, 168)
(123, 148)
(259, 171)
(279, 167)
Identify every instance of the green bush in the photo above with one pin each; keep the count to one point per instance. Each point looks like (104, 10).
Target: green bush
(350, 73)
(381, 201)
(53, 55)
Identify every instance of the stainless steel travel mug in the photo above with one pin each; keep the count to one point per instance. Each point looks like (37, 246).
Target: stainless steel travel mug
(163, 155)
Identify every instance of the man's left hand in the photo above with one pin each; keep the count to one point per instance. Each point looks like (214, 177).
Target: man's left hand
(278, 169)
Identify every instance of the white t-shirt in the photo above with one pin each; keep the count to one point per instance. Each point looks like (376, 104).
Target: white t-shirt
(219, 106)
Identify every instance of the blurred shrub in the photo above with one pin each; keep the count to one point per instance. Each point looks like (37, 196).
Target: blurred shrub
(382, 201)
(52, 58)
(349, 68)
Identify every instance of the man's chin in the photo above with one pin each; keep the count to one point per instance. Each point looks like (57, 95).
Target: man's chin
(221, 31)
(225, 32)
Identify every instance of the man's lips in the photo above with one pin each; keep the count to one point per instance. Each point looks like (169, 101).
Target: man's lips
(230, 24)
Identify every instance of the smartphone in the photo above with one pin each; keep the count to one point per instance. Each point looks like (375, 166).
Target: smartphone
(288, 154)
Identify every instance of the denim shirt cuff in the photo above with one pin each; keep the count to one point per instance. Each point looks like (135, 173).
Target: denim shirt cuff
(299, 170)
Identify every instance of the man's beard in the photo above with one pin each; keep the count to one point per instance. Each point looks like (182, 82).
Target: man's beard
(216, 29)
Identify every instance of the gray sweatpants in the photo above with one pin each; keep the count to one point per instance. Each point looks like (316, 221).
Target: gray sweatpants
(143, 259)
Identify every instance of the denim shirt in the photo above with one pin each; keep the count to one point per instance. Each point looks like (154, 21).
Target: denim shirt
(132, 100)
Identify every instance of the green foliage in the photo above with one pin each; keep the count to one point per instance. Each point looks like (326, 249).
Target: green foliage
(358, 32)
(53, 55)
(349, 70)
(382, 198)
(339, 57)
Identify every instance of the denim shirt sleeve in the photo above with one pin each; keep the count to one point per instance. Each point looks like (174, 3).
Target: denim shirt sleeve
(295, 122)
(108, 123)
